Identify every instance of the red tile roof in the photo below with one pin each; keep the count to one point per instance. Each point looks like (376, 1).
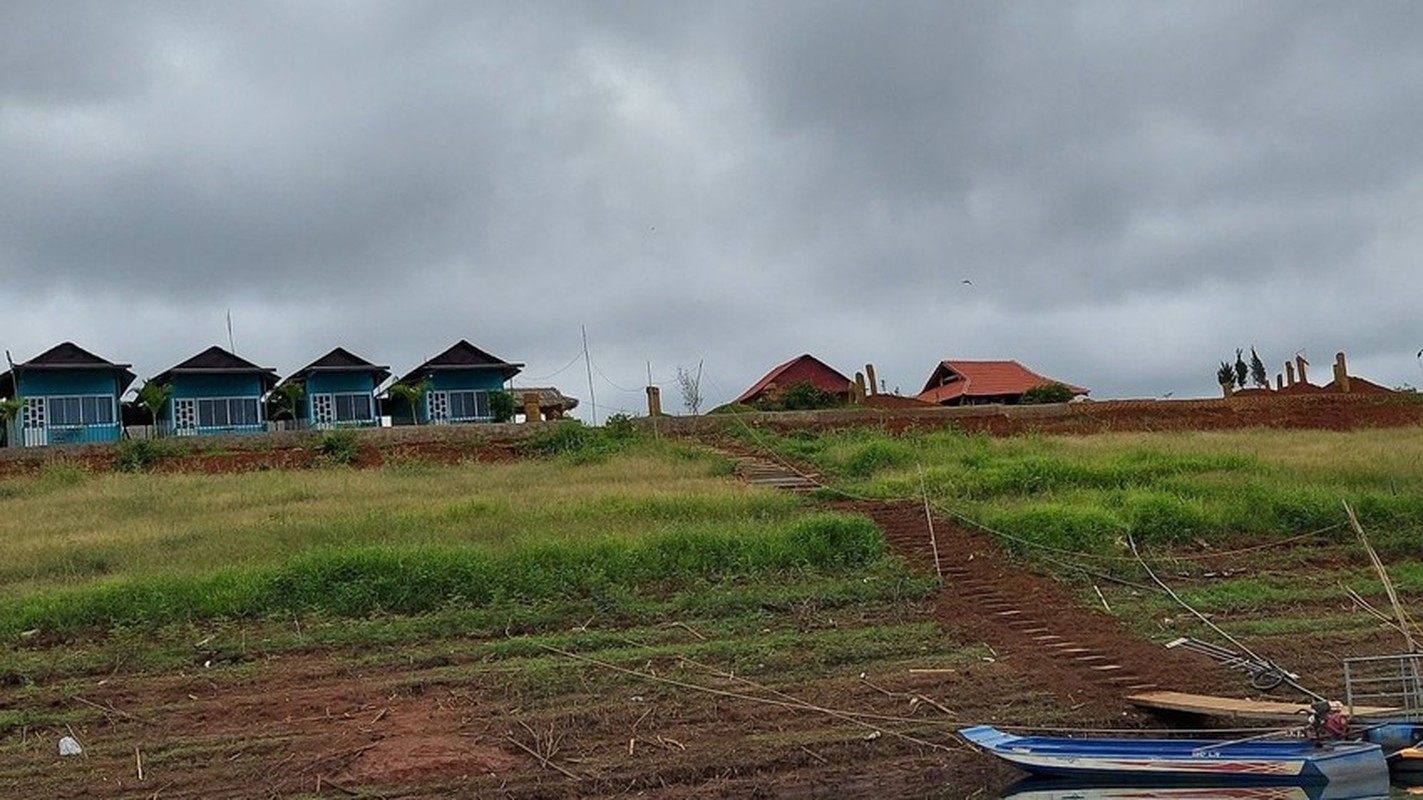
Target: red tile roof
(801, 368)
(953, 379)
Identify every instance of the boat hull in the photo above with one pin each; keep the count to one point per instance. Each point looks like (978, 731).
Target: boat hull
(1294, 762)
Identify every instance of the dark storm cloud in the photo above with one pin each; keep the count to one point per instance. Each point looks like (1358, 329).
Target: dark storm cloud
(733, 183)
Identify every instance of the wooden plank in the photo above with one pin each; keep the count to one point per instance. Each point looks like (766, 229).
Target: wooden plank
(1235, 708)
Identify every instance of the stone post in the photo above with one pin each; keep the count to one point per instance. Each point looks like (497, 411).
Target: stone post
(1279, 381)
(654, 401)
(857, 392)
(870, 376)
(1341, 373)
(531, 407)
(1289, 373)
(1301, 364)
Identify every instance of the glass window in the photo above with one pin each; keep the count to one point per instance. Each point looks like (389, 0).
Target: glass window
(469, 405)
(353, 407)
(242, 410)
(224, 412)
(94, 409)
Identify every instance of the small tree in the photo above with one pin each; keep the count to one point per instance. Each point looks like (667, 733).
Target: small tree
(411, 394)
(1047, 393)
(286, 400)
(154, 397)
(1258, 375)
(691, 387)
(501, 406)
(803, 396)
(1225, 374)
(1241, 370)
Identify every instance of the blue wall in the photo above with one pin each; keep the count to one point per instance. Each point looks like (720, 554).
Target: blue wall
(216, 386)
(354, 382)
(51, 383)
(201, 386)
(35, 383)
(340, 383)
(453, 380)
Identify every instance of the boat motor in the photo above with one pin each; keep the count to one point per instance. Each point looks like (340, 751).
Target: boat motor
(1327, 720)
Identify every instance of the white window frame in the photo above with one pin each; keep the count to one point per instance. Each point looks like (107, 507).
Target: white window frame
(202, 424)
(476, 396)
(100, 400)
(326, 408)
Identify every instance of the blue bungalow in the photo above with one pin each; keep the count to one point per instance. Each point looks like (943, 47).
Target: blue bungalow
(456, 385)
(67, 395)
(339, 391)
(216, 392)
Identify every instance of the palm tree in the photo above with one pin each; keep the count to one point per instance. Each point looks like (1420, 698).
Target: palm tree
(287, 398)
(154, 397)
(9, 410)
(412, 394)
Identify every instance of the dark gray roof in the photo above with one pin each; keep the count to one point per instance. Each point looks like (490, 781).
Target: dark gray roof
(63, 356)
(463, 355)
(341, 360)
(217, 361)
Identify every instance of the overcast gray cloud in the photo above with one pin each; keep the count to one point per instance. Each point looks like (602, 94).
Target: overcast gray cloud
(1133, 189)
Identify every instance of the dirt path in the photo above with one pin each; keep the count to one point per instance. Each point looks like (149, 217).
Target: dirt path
(1035, 622)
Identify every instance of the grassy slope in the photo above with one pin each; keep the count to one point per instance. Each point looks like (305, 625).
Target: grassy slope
(1085, 493)
(1189, 499)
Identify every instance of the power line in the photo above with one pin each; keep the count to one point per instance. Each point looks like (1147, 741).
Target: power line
(560, 371)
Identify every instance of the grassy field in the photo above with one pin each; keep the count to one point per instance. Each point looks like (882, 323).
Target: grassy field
(1085, 493)
(86, 551)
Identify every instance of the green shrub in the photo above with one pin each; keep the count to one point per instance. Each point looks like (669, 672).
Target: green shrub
(1047, 393)
(501, 406)
(137, 455)
(801, 396)
(565, 436)
(620, 426)
(341, 446)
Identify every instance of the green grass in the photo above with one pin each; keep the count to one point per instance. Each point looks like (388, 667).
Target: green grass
(91, 551)
(1088, 492)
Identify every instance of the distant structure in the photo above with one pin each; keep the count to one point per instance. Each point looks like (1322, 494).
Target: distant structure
(804, 368)
(1295, 380)
(963, 382)
(66, 395)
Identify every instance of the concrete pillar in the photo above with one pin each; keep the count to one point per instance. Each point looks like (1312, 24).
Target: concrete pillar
(857, 392)
(654, 401)
(531, 407)
(1279, 381)
(1341, 373)
(870, 376)
(1289, 373)
(1301, 364)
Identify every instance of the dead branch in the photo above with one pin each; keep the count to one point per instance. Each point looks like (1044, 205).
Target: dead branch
(539, 757)
(109, 709)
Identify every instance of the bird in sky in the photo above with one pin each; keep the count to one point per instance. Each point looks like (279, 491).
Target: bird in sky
(966, 282)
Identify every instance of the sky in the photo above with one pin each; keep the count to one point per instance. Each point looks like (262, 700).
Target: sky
(1117, 194)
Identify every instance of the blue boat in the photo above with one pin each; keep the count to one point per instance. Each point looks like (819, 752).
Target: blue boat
(1294, 761)
(1039, 788)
